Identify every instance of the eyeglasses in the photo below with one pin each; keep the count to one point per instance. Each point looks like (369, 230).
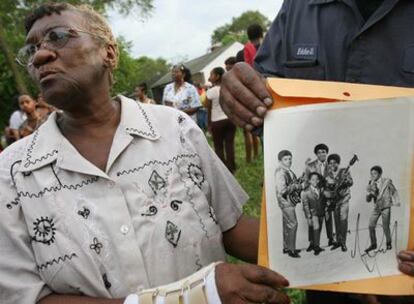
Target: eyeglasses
(55, 39)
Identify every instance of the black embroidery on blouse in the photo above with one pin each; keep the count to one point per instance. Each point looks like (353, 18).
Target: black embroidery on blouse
(59, 187)
(106, 282)
(44, 230)
(181, 119)
(156, 162)
(152, 210)
(196, 175)
(26, 174)
(189, 191)
(152, 133)
(55, 174)
(213, 215)
(61, 259)
(85, 212)
(156, 182)
(96, 246)
(14, 202)
(12, 172)
(175, 205)
(172, 233)
(30, 151)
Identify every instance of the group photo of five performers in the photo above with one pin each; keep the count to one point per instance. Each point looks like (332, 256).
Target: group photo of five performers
(324, 190)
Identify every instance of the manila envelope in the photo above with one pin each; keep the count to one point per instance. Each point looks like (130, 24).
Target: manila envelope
(294, 92)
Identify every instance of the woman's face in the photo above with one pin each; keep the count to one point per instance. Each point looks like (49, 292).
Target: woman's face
(177, 74)
(27, 104)
(213, 78)
(76, 67)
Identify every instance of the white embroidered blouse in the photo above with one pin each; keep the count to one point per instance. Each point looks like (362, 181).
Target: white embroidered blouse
(154, 216)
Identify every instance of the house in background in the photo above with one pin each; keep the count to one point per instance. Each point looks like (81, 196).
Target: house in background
(200, 67)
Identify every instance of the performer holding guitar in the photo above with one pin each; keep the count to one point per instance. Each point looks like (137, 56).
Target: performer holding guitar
(338, 194)
(287, 188)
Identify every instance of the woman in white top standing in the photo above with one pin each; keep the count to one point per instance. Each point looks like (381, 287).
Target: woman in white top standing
(222, 129)
(181, 94)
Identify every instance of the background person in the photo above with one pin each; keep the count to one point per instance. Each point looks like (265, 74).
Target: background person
(222, 129)
(229, 63)
(33, 117)
(202, 115)
(43, 108)
(16, 120)
(181, 94)
(255, 35)
(141, 94)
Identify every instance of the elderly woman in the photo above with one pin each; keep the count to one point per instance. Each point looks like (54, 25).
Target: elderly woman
(110, 198)
(181, 94)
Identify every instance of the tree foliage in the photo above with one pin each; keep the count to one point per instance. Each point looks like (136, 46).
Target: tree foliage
(132, 71)
(13, 79)
(236, 29)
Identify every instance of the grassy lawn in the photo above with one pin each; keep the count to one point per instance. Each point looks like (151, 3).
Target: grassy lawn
(250, 176)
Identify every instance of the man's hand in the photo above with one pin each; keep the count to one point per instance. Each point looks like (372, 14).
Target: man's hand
(237, 284)
(406, 262)
(244, 97)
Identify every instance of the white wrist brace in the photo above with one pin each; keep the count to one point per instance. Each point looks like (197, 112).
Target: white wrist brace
(198, 288)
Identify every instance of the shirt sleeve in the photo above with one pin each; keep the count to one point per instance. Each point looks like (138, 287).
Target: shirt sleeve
(280, 181)
(213, 93)
(20, 281)
(15, 121)
(209, 94)
(195, 98)
(226, 195)
(305, 203)
(269, 58)
(249, 53)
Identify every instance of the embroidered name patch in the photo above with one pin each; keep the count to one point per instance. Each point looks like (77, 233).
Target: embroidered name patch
(305, 51)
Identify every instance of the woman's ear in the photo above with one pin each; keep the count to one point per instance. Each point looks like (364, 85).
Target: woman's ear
(111, 59)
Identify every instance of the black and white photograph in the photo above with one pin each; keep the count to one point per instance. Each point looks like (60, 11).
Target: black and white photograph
(338, 189)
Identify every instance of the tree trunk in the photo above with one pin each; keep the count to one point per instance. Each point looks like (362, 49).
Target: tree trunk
(20, 82)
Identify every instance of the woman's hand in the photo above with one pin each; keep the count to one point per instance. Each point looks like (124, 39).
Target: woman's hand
(249, 283)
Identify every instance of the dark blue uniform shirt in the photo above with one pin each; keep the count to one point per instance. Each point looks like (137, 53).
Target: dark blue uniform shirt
(331, 40)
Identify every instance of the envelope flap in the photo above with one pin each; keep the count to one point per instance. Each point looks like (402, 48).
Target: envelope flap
(334, 90)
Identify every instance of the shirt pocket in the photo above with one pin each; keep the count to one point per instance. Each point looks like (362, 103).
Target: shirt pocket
(408, 60)
(304, 69)
(303, 62)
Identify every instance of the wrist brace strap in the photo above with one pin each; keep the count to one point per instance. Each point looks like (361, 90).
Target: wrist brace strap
(189, 290)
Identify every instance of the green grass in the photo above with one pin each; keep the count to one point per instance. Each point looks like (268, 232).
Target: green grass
(251, 178)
